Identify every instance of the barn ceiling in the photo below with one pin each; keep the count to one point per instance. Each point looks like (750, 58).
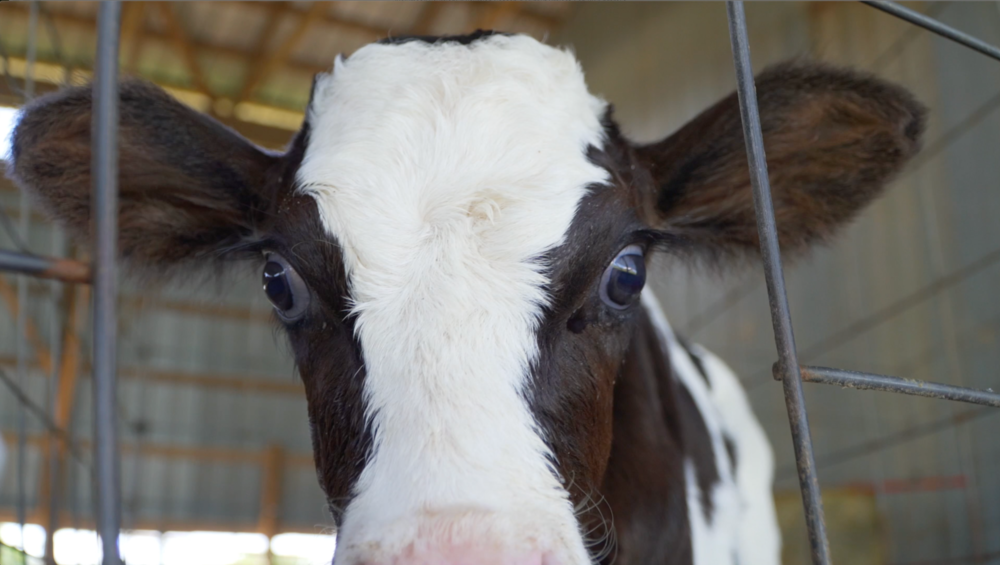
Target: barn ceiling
(248, 63)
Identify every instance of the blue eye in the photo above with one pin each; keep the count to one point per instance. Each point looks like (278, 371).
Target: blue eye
(624, 278)
(285, 289)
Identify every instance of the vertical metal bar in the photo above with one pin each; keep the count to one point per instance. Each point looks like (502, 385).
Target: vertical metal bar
(773, 276)
(104, 170)
(22, 295)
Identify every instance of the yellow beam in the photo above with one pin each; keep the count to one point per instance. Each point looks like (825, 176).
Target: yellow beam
(269, 517)
(183, 45)
(43, 356)
(280, 55)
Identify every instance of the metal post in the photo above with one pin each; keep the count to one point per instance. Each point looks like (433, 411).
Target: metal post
(104, 171)
(773, 276)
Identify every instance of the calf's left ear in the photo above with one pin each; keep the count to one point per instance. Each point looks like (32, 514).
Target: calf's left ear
(189, 188)
(833, 139)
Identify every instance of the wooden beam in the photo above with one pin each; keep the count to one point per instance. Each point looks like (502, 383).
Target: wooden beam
(133, 30)
(235, 313)
(273, 15)
(86, 24)
(424, 23)
(263, 385)
(183, 45)
(77, 299)
(228, 455)
(281, 54)
(74, 520)
(269, 514)
(497, 14)
(43, 356)
(267, 136)
(336, 21)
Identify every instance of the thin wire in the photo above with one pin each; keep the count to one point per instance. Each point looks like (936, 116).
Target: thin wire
(883, 315)
(731, 299)
(43, 417)
(11, 231)
(872, 446)
(716, 309)
(912, 32)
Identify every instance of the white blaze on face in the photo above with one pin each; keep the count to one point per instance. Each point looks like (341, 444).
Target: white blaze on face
(445, 171)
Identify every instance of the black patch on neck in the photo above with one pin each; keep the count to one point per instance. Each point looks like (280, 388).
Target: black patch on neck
(466, 39)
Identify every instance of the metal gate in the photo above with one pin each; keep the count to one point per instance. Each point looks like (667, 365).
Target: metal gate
(787, 369)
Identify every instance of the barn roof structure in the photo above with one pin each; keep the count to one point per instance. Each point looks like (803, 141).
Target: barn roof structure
(213, 418)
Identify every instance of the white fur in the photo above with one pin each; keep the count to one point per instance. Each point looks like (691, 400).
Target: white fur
(744, 526)
(444, 171)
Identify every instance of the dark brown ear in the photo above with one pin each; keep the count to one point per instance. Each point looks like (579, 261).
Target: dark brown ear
(189, 187)
(833, 139)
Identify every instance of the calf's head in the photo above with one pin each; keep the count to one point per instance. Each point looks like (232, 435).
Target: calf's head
(455, 243)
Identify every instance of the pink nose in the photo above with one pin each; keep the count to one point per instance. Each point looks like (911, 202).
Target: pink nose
(466, 555)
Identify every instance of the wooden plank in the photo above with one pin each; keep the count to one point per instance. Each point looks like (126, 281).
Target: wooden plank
(498, 14)
(269, 517)
(334, 20)
(212, 454)
(277, 384)
(280, 55)
(187, 50)
(43, 356)
(85, 24)
(132, 34)
(274, 15)
(77, 298)
(424, 23)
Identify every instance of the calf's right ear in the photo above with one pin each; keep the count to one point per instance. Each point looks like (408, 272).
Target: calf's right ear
(189, 188)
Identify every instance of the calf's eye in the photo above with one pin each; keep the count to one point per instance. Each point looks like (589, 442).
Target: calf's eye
(285, 289)
(624, 278)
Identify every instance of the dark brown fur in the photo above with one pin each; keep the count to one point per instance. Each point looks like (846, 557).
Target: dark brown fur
(602, 391)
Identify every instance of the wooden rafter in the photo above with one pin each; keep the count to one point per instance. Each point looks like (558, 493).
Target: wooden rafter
(183, 44)
(170, 451)
(43, 356)
(273, 18)
(269, 515)
(69, 369)
(80, 23)
(133, 18)
(276, 384)
(424, 23)
(280, 55)
(334, 20)
(498, 13)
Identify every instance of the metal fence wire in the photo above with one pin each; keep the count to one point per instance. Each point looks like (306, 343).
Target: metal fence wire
(787, 369)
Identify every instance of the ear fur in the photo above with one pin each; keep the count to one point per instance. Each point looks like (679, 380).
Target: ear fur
(833, 138)
(189, 187)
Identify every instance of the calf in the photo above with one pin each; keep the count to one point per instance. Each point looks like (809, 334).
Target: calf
(456, 244)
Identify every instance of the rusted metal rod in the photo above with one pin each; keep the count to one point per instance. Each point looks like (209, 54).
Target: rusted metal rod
(886, 383)
(781, 317)
(65, 270)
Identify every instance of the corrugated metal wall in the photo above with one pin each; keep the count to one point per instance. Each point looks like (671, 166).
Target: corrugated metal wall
(201, 448)
(935, 484)
(937, 492)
